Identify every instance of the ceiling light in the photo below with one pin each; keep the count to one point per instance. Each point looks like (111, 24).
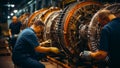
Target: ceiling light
(15, 11)
(8, 5)
(11, 14)
(12, 5)
(8, 17)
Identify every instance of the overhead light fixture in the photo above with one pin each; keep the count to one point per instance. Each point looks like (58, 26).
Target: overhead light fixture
(12, 5)
(15, 11)
(8, 5)
(29, 2)
(11, 14)
(8, 17)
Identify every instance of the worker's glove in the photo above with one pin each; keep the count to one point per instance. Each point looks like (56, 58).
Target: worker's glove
(54, 50)
(86, 55)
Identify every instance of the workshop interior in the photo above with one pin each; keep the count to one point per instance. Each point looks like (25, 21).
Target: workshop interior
(70, 25)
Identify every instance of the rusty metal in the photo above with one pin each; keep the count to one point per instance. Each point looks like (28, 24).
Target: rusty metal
(33, 16)
(46, 15)
(24, 19)
(74, 25)
(50, 30)
(41, 14)
(72, 30)
(68, 28)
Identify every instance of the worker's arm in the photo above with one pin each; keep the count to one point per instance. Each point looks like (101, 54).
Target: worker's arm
(42, 49)
(98, 55)
(46, 49)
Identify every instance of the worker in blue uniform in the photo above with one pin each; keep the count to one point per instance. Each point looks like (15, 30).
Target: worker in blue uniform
(27, 47)
(14, 30)
(109, 40)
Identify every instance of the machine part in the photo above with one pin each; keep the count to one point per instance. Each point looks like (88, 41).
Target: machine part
(48, 18)
(94, 33)
(94, 28)
(50, 29)
(24, 19)
(47, 14)
(43, 15)
(68, 28)
(33, 16)
(72, 27)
